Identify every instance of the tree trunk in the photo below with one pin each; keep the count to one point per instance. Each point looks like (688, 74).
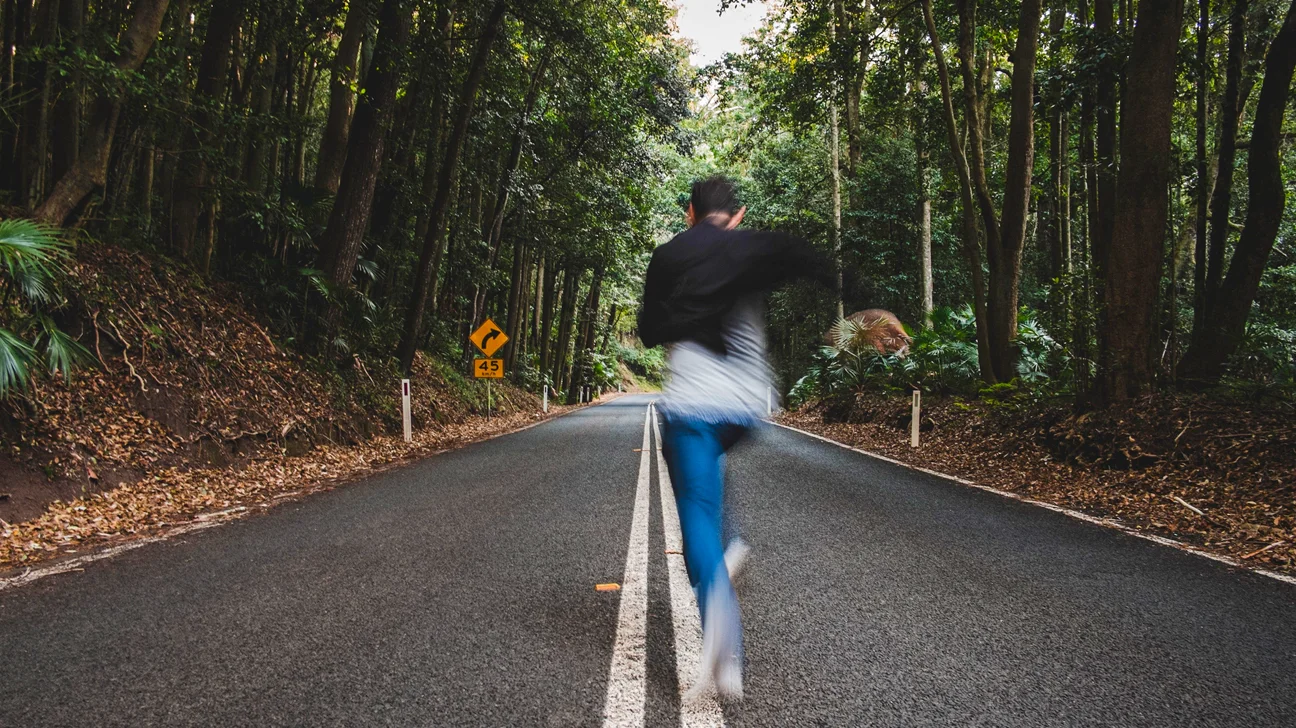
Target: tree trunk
(566, 322)
(67, 106)
(546, 317)
(333, 141)
(495, 231)
(1004, 255)
(434, 243)
(340, 245)
(580, 369)
(1125, 353)
(257, 172)
(1202, 196)
(17, 29)
(924, 212)
(971, 245)
(516, 302)
(91, 166)
(835, 161)
(147, 162)
(436, 136)
(1105, 162)
(213, 71)
(34, 126)
(1230, 111)
(1226, 324)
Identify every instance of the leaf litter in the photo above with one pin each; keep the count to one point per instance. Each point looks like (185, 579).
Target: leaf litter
(1217, 474)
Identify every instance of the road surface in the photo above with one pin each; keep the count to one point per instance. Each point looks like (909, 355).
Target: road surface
(461, 591)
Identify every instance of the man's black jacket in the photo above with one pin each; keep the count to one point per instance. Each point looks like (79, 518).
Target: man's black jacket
(695, 279)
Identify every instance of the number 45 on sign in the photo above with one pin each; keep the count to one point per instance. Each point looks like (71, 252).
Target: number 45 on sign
(488, 368)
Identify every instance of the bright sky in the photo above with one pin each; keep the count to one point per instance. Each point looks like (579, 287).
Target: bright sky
(715, 35)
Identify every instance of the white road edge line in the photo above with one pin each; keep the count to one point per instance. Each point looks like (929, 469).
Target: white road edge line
(205, 521)
(627, 687)
(703, 711)
(1105, 522)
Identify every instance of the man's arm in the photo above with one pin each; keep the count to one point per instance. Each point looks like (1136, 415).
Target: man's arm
(763, 260)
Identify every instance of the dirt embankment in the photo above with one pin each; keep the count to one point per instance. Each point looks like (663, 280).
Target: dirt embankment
(1219, 475)
(191, 406)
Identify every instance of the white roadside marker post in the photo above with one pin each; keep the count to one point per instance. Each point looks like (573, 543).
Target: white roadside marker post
(546, 399)
(488, 399)
(405, 409)
(913, 424)
(769, 402)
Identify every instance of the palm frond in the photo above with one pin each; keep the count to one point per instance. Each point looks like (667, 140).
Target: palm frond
(15, 362)
(62, 352)
(31, 254)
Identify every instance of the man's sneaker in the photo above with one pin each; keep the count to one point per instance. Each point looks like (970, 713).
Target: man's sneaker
(728, 678)
(721, 666)
(735, 557)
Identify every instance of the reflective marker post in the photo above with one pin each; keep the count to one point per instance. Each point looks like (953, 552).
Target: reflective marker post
(546, 399)
(769, 402)
(405, 409)
(913, 424)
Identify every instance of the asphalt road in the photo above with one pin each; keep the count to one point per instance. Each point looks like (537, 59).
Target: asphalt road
(461, 591)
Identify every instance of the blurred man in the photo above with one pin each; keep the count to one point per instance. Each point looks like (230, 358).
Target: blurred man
(704, 295)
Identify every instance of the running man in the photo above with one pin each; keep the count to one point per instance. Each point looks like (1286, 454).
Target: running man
(704, 295)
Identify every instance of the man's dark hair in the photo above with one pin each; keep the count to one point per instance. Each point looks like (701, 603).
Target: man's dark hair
(713, 194)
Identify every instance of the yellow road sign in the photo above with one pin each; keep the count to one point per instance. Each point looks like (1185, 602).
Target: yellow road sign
(488, 368)
(488, 337)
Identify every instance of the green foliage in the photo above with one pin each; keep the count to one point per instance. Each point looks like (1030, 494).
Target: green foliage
(32, 258)
(648, 364)
(941, 359)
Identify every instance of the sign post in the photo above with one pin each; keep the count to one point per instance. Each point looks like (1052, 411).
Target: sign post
(488, 338)
(913, 424)
(405, 409)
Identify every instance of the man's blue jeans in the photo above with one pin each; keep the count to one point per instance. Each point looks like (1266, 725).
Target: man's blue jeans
(694, 451)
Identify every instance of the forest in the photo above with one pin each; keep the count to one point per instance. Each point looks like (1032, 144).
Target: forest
(374, 177)
(1088, 195)
(379, 176)
(1076, 207)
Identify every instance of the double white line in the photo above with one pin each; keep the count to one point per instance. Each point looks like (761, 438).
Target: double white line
(628, 676)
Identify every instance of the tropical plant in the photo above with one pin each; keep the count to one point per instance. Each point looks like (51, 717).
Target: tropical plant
(942, 358)
(32, 258)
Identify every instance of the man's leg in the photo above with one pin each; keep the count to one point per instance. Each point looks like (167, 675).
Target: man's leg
(735, 546)
(693, 451)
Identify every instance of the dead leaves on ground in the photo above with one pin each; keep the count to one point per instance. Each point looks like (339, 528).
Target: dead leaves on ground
(1218, 475)
(175, 496)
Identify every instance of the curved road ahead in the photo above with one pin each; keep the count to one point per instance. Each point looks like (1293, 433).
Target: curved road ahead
(461, 591)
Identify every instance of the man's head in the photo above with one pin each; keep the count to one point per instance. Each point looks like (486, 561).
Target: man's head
(713, 200)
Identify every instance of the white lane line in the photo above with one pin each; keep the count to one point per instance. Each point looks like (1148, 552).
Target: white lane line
(628, 675)
(1105, 522)
(704, 710)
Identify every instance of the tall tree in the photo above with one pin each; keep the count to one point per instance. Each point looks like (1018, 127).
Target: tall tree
(1225, 324)
(968, 219)
(1005, 238)
(344, 236)
(91, 167)
(1125, 354)
(213, 74)
(67, 105)
(1221, 199)
(434, 243)
(333, 140)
